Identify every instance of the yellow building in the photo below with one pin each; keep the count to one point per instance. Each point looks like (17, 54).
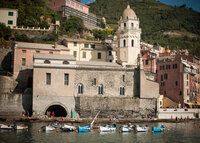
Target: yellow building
(85, 50)
(165, 102)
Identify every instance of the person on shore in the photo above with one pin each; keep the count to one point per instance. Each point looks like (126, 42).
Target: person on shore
(52, 113)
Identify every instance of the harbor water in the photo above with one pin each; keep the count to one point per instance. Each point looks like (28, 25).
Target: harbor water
(184, 132)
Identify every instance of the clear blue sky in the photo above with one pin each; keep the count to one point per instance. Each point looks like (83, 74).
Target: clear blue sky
(194, 4)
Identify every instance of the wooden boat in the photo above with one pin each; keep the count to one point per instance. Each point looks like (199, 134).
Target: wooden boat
(67, 128)
(47, 128)
(158, 129)
(84, 129)
(125, 128)
(140, 128)
(3, 126)
(55, 125)
(107, 128)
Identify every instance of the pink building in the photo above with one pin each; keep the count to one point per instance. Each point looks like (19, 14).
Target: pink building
(57, 5)
(23, 59)
(178, 78)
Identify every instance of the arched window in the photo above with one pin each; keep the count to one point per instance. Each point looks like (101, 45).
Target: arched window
(124, 25)
(65, 62)
(132, 25)
(132, 43)
(80, 88)
(122, 90)
(100, 89)
(47, 62)
(124, 43)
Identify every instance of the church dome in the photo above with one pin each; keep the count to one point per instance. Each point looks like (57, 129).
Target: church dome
(128, 13)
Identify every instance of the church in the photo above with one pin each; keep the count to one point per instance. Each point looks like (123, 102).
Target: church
(64, 85)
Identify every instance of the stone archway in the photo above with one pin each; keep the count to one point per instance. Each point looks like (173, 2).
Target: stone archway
(59, 111)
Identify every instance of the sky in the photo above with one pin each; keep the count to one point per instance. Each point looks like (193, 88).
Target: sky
(194, 4)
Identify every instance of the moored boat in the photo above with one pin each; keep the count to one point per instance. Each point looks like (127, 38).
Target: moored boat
(55, 125)
(125, 128)
(158, 129)
(140, 128)
(84, 129)
(67, 128)
(47, 128)
(3, 126)
(20, 127)
(107, 128)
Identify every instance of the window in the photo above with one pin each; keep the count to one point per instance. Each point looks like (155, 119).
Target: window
(165, 76)
(132, 25)
(65, 62)
(146, 62)
(77, 6)
(72, 4)
(23, 51)
(132, 43)
(50, 52)
(86, 45)
(180, 93)
(100, 89)
(84, 55)
(10, 13)
(165, 92)
(75, 53)
(174, 66)
(122, 91)
(124, 25)
(81, 7)
(47, 62)
(161, 77)
(94, 81)
(80, 88)
(110, 53)
(124, 43)
(176, 83)
(99, 55)
(37, 51)
(75, 43)
(68, 2)
(93, 46)
(10, 22)
(66, 79)
(110, 61)
(23, 61)
(123, 78)
(187, 76)
(48, 78)
(187, 92)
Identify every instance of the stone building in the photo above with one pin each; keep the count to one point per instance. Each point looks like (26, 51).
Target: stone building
(63, 84)
(8, 16)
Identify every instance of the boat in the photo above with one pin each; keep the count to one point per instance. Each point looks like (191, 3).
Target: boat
(107, 128)
(140, 128)
(84, 129)
(20, 127)
(125, 128)
(67, 128)
(47, 128)
(93, 122)
(3, 126)
(158, 129)
(55, 125)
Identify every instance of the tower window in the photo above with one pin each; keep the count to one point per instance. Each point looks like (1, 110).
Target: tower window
(132, 25)
(48, 78)
(132, 43)
(84, 55)
(124, 43)
(23, 61)
(122, 90)
(99, 55)
(80, 88)
(124, 25)
(66, 79)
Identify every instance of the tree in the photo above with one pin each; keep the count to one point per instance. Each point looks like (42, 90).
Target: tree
(5, 32)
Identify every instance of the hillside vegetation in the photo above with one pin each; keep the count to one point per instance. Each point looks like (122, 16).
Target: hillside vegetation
(156, 19)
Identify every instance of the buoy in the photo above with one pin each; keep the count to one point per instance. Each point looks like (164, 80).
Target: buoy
(120, 132)
(38, 131)
(76, 130)
(136, 131)
(99, 131)
(152, 131)
(56, 129)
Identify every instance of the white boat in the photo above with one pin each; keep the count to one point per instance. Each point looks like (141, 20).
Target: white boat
(140, 128)
(47, 128)
(67, 128)
(3, 126)
(55, 125)
(107, 128)
(125, 128)
(20, 127)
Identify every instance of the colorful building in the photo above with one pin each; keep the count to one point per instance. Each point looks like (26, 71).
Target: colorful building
(23, 59)
(8, 16)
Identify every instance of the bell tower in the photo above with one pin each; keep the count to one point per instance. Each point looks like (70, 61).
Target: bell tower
(129, 37)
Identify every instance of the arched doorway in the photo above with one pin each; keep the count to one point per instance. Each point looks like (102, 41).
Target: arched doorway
(58, 110)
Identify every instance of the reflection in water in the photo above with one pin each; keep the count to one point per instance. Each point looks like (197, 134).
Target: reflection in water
(175, 132)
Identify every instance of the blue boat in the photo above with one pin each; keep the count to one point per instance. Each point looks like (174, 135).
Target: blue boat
(158, 129)
(84, 129)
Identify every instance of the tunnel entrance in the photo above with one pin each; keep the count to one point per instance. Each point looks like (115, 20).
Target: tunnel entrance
(58, 110)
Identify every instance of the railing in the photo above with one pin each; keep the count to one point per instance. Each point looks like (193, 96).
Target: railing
(30, 28)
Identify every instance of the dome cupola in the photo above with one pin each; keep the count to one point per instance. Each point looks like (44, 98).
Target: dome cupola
(128, 13)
